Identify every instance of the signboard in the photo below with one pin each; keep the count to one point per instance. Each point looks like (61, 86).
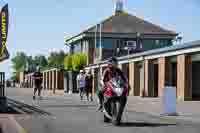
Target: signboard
(4, 21)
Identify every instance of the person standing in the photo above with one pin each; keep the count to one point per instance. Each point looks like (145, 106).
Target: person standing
(81, 83)
(38, 77)
(89, 85)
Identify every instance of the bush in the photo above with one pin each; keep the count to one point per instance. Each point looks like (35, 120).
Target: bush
(79, 60)
(68, 63)
(75, 62)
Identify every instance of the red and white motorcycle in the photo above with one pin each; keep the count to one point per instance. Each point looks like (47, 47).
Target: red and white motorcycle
(115, 98)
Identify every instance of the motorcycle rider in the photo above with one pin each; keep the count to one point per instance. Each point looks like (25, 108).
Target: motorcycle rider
(111, 71)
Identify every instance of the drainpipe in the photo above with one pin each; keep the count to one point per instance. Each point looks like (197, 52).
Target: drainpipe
(143, 91)
(95, 39)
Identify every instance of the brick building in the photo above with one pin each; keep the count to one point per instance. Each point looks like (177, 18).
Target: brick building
(148, 71)
(115, 33)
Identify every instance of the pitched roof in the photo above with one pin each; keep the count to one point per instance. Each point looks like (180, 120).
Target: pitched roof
(127, 23)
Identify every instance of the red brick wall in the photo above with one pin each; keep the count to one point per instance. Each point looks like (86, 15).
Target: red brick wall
(184, 77)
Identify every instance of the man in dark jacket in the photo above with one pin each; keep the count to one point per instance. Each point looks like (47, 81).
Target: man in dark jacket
(38, 77)
(111, 71)
(89, 85)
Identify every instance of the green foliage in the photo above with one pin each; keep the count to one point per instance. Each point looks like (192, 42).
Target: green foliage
(56, 59)
(31, 64)
(79, 60)
(41, 61)
(19, 62)
(22, 62)
(68, 63)
(15, 76)
(75, 62)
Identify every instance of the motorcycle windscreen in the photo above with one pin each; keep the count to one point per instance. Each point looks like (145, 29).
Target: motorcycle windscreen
(117, 86)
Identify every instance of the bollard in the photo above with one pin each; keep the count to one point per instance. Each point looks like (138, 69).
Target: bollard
(169, 101)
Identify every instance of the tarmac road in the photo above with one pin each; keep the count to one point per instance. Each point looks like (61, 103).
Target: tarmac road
(69, 115)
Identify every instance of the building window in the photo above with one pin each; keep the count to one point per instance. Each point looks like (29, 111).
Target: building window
(106, 43)
(157, 42)
(77, 47)
(141, 46)
(131, 44)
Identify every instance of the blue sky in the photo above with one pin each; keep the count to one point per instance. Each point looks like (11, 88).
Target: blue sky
(38, 26)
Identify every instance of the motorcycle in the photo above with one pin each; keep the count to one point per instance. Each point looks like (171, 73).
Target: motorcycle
(115, 98)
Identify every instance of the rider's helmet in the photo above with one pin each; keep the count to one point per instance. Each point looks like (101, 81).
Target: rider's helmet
(113, 61)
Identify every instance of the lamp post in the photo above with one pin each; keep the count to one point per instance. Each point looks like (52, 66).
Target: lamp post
(100, 49)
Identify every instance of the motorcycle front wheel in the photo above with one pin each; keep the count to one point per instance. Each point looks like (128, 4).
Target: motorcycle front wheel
(106, 119)
(116, 113)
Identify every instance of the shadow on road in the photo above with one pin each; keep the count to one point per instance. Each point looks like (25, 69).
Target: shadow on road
(144, 124)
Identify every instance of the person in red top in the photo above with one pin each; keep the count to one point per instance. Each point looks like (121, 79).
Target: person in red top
(111, 71)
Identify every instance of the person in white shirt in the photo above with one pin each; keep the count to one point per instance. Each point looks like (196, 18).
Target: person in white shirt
(81, 83)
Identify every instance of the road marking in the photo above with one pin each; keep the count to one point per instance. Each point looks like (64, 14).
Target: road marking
(23, 130)
(18, 126)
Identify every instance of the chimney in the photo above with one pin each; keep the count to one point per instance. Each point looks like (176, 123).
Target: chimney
(118, 7)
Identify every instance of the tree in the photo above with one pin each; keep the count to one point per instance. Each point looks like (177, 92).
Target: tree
(19, 62)
(56, 59)
(68, 63)
(79, 60)
(75, 62)
(15, 76)
(31, 64)
(41, 61)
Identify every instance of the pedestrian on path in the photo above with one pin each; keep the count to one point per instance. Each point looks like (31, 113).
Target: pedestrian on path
(89, 85)
(81, 83)
(38, 77)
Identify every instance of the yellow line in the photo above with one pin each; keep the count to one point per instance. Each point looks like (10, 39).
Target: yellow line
(20, 128)
(23, 130)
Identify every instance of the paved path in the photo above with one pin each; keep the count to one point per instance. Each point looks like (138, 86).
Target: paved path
(72, 116)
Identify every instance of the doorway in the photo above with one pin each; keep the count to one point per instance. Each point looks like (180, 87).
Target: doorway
(155, 80)
(195, 80)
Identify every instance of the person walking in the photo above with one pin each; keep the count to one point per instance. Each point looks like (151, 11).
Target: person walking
(81, 83)
(38, 77)
(89, 85)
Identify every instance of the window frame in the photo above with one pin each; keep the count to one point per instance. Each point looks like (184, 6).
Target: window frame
(133, 42)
